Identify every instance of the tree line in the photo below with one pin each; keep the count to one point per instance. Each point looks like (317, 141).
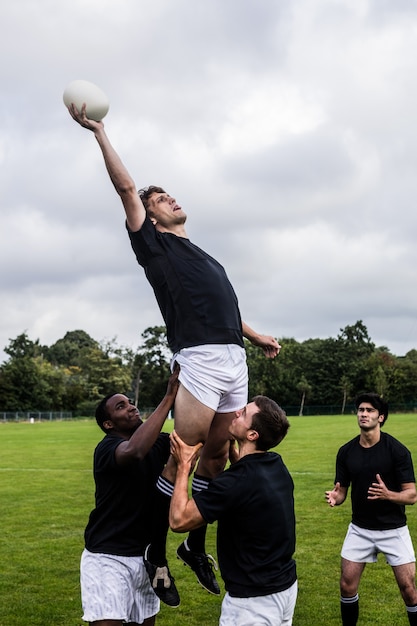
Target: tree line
(315, 375)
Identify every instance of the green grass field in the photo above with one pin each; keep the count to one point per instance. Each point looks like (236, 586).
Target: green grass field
(47, 492)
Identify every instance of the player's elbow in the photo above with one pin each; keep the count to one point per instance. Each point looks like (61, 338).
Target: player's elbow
(179, 528)
(413, 498)
(410, 493)
(177, 524)
(126, 187)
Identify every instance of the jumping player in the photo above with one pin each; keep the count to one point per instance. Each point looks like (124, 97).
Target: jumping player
(204, 331)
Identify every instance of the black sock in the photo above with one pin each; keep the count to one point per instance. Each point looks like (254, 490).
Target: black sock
(161, 501)
(412, 614)
(349, 608)
(196, 540)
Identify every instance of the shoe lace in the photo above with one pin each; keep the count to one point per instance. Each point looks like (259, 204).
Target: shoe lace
(208, 561)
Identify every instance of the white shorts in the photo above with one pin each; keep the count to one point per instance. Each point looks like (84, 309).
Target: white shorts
(362, 545)
(116, 587)
(276, 609)
(217, 375)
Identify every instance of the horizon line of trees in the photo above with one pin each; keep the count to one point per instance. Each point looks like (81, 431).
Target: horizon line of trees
(76, 371)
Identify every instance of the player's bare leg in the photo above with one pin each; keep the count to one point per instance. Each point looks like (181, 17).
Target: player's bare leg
(405, 575)
(349, 584)
(215, 452)
(195, 422)
(191, 417)
(192, 421)
(213, 458)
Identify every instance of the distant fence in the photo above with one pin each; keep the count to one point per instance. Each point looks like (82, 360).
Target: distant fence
(34, 416)
(291, 411)
(46, 416)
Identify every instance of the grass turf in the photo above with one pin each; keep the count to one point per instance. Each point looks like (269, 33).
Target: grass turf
(47, 492)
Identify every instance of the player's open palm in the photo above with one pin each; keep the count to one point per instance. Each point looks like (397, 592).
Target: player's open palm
(335, 496)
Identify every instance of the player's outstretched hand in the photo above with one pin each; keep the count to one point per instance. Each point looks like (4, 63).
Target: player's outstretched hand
(333, 496)
(81, 118)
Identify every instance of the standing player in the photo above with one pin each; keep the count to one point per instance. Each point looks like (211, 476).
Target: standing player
(114, 579)
(254, 504)
(380, 470)
(204, 331)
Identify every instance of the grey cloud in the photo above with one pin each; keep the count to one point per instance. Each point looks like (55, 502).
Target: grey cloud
(310, 210)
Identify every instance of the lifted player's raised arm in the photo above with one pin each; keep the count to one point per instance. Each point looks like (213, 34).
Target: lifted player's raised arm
(120, 177)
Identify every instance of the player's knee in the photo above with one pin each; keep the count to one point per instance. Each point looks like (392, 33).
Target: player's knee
(348, 588)
(408, 591)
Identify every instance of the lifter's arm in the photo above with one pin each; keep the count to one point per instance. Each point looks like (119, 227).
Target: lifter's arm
(183, 511)
(144, 437)
(120, 177)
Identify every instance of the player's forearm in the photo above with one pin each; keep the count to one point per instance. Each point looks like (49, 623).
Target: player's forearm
(378, 490)
(339, 499)
(249, 333)
(145, 436)
(269, 345)
(122, 182)
(406, 496)
(118, 173)
(179, 499)
(184, 514)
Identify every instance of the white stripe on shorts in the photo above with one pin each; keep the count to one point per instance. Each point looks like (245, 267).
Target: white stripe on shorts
(116, 587)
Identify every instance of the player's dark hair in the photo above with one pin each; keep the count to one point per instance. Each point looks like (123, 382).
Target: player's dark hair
(146, 193)
(270, 422)
(102, 413)
(376, 401)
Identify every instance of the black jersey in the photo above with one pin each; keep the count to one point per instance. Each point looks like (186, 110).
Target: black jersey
(358, 466)
(194, 294)
(254, 505)
(120, 522)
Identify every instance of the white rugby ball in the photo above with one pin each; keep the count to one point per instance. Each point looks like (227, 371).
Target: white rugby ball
(80, 91)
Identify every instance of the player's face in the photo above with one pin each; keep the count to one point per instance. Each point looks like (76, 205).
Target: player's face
(123, 415)
(368, 417)
(243, 421)
(165, 210)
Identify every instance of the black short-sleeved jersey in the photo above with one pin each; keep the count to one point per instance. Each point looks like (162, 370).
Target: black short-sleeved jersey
(120, 521)
(358, 466)
(194, 294)
(254, 505)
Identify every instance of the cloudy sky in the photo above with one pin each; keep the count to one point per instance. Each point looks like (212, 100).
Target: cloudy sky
(286, 130)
